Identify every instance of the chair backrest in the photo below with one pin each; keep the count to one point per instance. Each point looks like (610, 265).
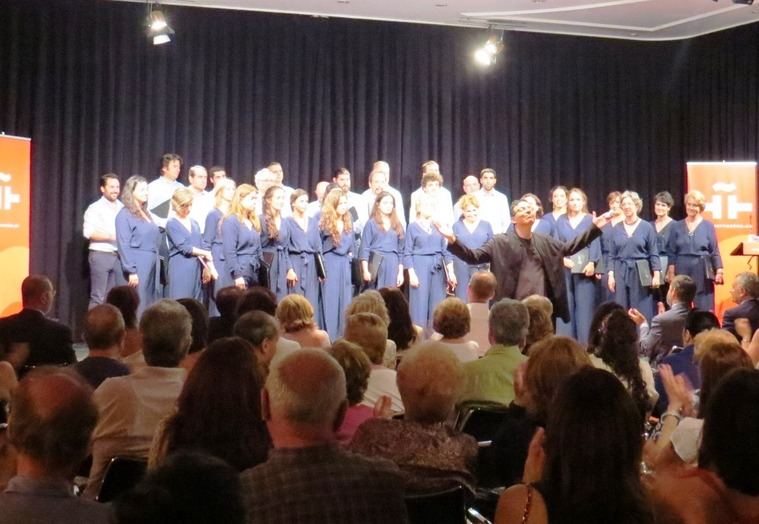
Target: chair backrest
(482, 422)
(122, 474)
(443, 507)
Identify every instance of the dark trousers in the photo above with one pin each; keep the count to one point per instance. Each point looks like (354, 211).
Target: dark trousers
(105, 273)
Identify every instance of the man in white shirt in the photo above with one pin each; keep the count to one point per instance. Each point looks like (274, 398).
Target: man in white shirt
(480, 292)
(494, 205)
(263, 179)
(432, 184)
(381, 165)
(279, 174)
(162, 188)
(100, 229)
(315, 206)
(342, 178)
(202, 200)
(470, 185)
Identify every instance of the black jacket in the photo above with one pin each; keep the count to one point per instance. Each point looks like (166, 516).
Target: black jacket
(49, 341)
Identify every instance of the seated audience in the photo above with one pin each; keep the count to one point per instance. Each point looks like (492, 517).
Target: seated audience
(401, 329)
(356, 367)
(50, 427)
(190, 487)
(491, 378)
(666, 329)
(552, 361)
(8, 384)
(261, 331)
(599, 315)
(369, 332)
(296, 318)
(126, 300)
(749, 342)
(257, 298)
(480, 292)
(682, 360)
(131, 407)
(585, 466)
(725, 487)
(308, 477)
(540, 310)
(451, 319)
(218, 411)
(371, 301)
(103, 332)
(28, 338)
(226, 302)
(432, 456)
(745, 293)
(199, 342)
(618, 352)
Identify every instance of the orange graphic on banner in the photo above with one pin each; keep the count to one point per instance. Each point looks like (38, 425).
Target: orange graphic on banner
(730, 190)
(15, 158)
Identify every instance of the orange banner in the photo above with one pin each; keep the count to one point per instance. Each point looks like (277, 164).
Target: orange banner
(15, 164)
(730, 189)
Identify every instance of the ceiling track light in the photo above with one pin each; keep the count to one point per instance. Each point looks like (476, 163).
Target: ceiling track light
(158, 30)
(488, 53)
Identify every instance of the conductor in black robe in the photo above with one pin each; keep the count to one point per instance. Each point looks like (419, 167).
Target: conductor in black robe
(526, 263)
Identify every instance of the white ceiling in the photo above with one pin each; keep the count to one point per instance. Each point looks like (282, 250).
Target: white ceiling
(628, 19)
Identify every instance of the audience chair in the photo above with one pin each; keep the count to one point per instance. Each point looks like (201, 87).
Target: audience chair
(480, 420)
(122, 474)
(443, 507)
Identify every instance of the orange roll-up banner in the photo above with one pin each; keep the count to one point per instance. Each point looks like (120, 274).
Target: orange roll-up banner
(730, 189)
(15, 163)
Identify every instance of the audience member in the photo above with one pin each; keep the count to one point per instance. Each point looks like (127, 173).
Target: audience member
(226, 302)
(191, 488)
(126, 300)
(307, 477)
(745, 293)
(666, 329)
(451, 319)
(552, 361)
(29, 338)
(8, 384)
(257, 298)
(356, 367)
(50, 427)
(749, 343)
(261, 331)
(480, 292)
(219, 410)
(540, 310)
(296, 318)
(103, 332)
(433, 456)
(371, 301)
(369, 332)
(491, 378)
(599, 315)
(199, 335)
(401, 329)
(585, 466)
(131, 407)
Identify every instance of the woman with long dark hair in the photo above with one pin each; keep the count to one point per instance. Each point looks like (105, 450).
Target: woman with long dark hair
(303, 246)
(401, 329)
(275, 239)
(382, 239)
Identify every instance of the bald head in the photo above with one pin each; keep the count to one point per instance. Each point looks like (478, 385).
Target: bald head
(37, 292)
(306, 387)
(103, 328)
(52, 419)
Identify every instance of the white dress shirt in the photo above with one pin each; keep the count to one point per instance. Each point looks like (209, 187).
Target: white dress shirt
(202, 204)
(479, 325)
(159, 191)
(100, 217)
(494, 208)
(442, 202)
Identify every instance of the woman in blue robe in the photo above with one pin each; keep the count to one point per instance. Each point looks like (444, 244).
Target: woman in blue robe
(559, 197)
(580, 269)
(185, 250)
(632, 241)
(336, 232)
(663, 223)
(426, 258)
(223, 192)
(694, 251)
(240, 231)
(302, 249)
(604, 265)
(472, 233)
(137, 238)
(275, 242)
(382, 237)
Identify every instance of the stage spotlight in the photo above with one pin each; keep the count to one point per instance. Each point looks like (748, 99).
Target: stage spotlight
(486, 55)
(158, 29)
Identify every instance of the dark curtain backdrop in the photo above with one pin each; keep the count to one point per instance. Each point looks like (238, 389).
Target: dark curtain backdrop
(242, 88)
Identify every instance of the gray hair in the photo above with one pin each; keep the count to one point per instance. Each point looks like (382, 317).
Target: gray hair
(166, 329)
(306, 387)
(509, 322)
(263, 174)
(255, 327)
(429, 378)
(749, 282)
(635, 197)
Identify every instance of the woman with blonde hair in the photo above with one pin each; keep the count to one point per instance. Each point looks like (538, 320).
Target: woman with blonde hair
(223, 192)
(186, 253)
(473, 233)
(275, 237)
(337, 242)
(382, 245)
(296, 318)
(240, 232)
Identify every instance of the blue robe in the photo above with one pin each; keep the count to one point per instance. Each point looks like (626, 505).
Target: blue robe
(581, 290)
(602, 291)
(662, 244)
(690, 255)
(624, 254)
(242, 251)
(388, 244)
(426, 253)
(281, 262)
(212, 239)
(336, 289)
(302, 248)
(185, 270)
(483, 232)
(545, 226)
(137, 242)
